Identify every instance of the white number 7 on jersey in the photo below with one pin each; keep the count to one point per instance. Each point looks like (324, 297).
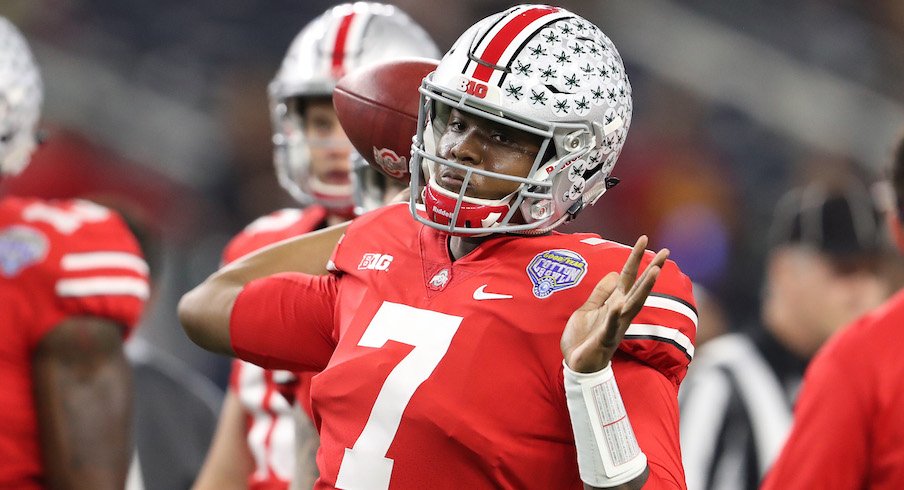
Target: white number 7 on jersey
(365, 466)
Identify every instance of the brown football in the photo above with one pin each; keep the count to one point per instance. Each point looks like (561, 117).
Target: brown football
(378, 107)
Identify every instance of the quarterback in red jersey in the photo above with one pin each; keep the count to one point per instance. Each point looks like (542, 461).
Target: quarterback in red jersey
(313, 160)
(72, 285)
(441, 339)
(848, 427)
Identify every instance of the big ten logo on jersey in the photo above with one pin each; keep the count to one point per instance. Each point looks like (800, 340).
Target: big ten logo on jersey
(375, 262)
(472, 87)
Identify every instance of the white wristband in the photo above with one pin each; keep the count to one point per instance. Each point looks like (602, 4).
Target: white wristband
(608, 454)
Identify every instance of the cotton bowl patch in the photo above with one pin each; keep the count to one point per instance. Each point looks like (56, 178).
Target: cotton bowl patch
(555, 270)
(20, 246)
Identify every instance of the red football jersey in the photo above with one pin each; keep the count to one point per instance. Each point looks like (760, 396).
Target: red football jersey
(57, 259)
(849, 418)
(267, 395)
(446, 374)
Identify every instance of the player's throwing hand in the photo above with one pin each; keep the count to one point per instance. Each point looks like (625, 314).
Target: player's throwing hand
(596, 328)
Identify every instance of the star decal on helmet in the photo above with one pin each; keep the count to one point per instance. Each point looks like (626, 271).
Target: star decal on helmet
(547, 73)
(551, 37)
(561, 107)
(536, 51)
(582, 106)
(514, 92)
(523, 69)
(595, 159)
(572, 82)
(537, 97)
(597, 95)
(563, 58)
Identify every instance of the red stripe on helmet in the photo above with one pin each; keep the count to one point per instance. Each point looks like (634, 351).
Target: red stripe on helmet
(504, 37)
(339, 48)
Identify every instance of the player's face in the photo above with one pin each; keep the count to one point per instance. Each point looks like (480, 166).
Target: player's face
(812, 295)
(474, 141)
(330, 148)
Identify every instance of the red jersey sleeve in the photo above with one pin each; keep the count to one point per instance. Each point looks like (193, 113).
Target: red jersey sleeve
(651, 401)
(285, 321)
(829, 442)
(663, 333)
(93, 266)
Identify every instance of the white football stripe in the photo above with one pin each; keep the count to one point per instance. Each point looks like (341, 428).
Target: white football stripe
(103, 286)
(664, 333)
(672, 305)
(104, 260)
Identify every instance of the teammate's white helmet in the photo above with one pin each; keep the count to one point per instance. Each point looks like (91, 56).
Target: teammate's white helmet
(543, 70)
(21, 95)
(344, 38)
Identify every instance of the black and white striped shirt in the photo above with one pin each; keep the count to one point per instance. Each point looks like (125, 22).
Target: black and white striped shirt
(736, 410)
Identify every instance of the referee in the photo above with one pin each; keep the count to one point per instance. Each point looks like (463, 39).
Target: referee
(823, 270)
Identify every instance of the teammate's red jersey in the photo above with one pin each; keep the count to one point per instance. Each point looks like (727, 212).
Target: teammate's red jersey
(441, 374)
(849, 419)
(267, 395)
(58, 259)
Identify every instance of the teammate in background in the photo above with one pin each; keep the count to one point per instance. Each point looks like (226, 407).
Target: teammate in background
(824, 270)
(72, 285)
(848, 428)
(256, 443)
(441, 338)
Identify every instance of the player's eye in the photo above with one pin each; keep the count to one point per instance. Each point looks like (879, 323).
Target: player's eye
(456, 124)
(502, 137)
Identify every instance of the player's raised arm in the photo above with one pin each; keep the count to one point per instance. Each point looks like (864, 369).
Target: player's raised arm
(589, 341)
(205, 310)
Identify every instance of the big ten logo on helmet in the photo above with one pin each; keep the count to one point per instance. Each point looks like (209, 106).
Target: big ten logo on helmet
(472, 87)
(375, 262)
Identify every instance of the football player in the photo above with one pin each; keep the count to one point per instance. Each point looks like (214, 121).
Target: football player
(255, 445)
(73, 283)
(441, 339)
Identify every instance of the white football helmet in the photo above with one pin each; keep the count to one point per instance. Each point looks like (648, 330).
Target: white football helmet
(344, 38)
(21, 95)
(543, 70)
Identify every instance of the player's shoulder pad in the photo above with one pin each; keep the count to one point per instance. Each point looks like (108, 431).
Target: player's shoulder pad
(663, 333)
(389, 217)
(372, 232)
(90, 259)
(272, 228)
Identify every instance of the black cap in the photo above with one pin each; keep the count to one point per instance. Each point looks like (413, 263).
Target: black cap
(840, 220)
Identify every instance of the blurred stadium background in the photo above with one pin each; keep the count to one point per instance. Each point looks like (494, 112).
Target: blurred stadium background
(160, 107)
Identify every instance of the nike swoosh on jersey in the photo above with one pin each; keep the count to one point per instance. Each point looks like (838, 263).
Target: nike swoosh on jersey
(480, 294)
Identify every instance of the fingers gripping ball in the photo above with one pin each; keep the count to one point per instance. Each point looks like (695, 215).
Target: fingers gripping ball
(378, 109)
